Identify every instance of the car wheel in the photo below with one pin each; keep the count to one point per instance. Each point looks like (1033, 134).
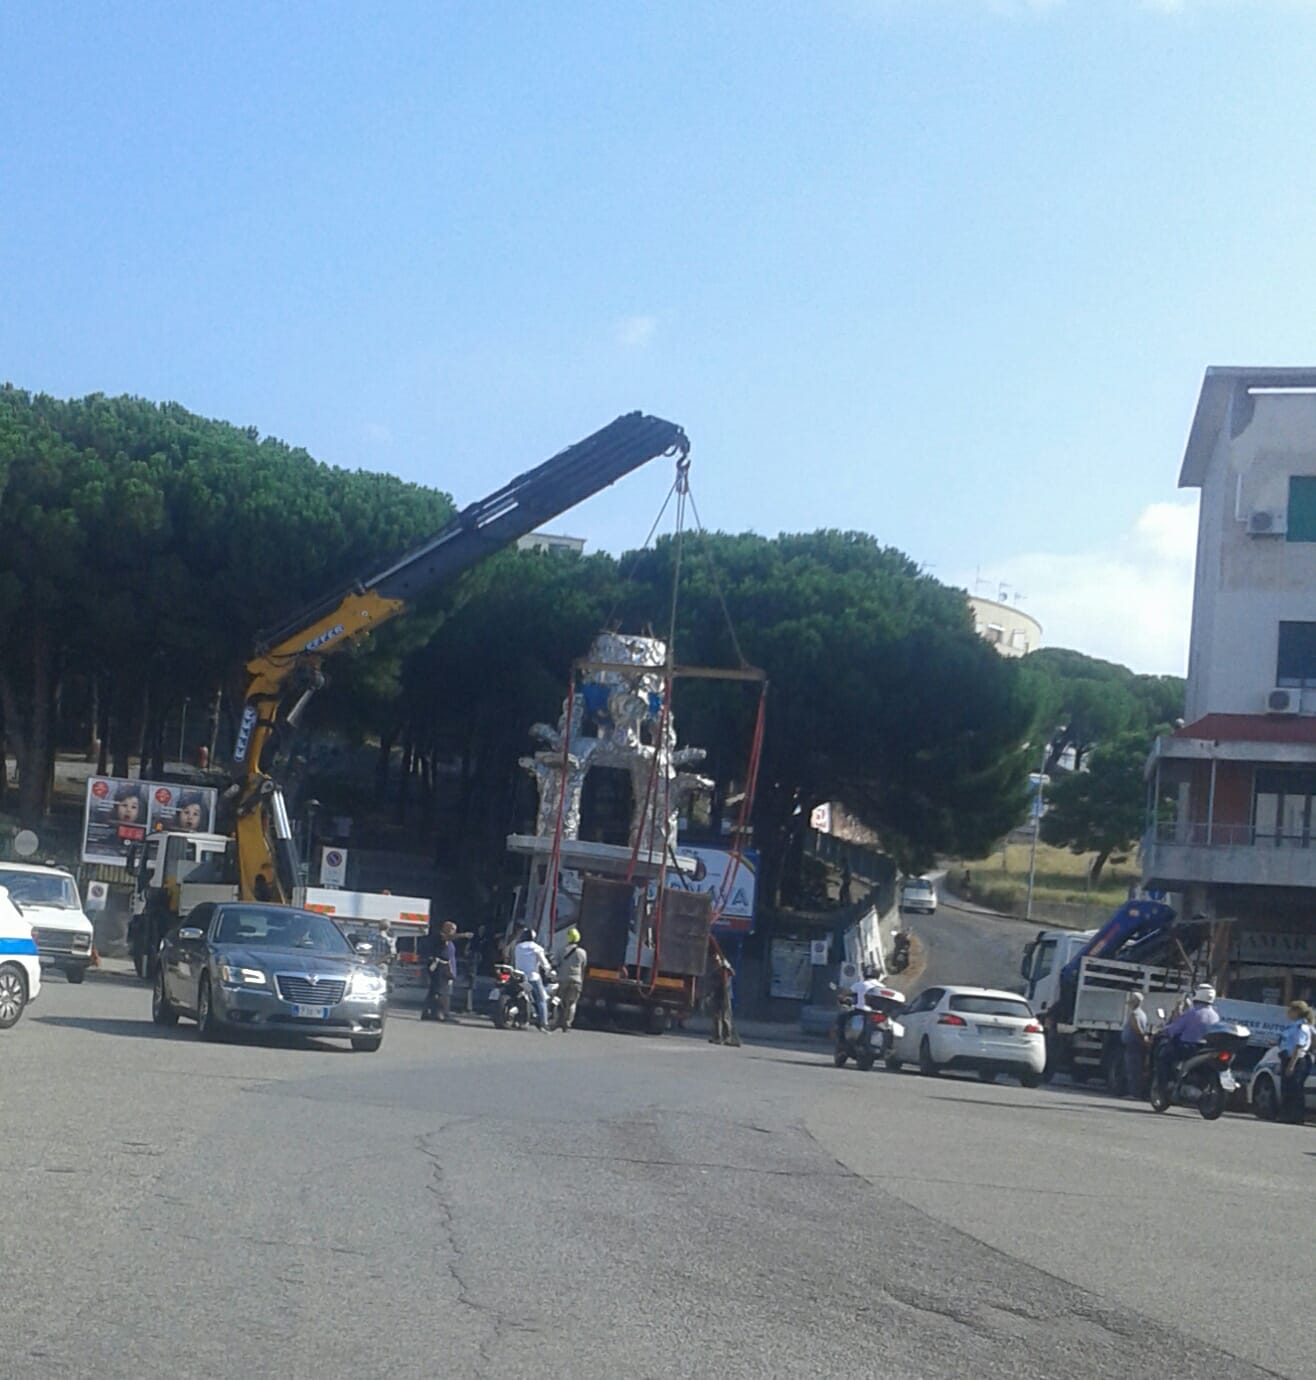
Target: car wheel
(892, 1064)
(926, 1065)
(1265, 1098)
(162, 1010)
(839, 1056)
(987, 1075)
(75, 974)
(366, 1044)
(206, 1025)
(13, 994)
(1030, 1079)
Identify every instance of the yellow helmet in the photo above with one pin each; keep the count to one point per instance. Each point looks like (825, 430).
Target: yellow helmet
(573, 935)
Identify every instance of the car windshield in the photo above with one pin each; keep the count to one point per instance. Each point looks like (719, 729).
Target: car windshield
(992, 1006)
(918, 885)
(40, 889)
(277, 927)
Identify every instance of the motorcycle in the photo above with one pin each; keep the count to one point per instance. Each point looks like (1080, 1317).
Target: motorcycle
(1201, 1077)
(867, 1035)
(900, 952)
(514, 1003)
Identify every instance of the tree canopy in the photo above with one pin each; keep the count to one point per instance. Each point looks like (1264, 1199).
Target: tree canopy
(1100, 810)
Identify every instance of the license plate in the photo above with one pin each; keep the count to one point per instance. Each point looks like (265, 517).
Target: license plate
(1228, 1082)
(995, 1030)
(312, 1013)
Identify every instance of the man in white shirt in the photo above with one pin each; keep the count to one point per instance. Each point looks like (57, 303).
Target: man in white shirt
(531, 960)
(859, 997)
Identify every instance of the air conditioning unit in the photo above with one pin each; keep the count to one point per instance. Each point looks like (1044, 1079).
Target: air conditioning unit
(1266, 522)
(1284, 699)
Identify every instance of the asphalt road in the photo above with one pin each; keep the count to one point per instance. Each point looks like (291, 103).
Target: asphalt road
(969, 946)
(479, 1203)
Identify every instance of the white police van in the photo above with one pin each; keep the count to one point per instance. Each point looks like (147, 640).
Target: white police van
(48, 898)
(20, 968)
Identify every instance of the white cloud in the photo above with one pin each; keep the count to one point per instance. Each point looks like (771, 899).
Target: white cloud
(1129, 601)
(635, 332)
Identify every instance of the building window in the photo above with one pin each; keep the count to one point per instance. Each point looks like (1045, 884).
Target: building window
(1296, 663)
(1301, 524)
(1282, 807)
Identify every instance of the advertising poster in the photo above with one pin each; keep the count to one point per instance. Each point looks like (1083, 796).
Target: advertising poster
(792, 969)
(182, 809)
(734, 894)
(115, 819)
(120, 813)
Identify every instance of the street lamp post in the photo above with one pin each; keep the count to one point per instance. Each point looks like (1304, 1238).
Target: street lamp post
(1037, 826)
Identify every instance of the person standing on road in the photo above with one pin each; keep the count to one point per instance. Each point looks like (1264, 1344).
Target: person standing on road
(724, 1031)
(1136, 1036)
(443, 970)
(570, 977)
(532, 961)
(1295, 1043)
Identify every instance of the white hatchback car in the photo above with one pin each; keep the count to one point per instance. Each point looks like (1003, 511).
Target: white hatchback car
(973, 1028)
(918, 893)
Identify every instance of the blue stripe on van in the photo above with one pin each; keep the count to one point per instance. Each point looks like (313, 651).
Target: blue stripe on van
(18, 946)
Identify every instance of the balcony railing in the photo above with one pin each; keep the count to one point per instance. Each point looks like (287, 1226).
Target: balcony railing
(1199, 834)
(1185, 851)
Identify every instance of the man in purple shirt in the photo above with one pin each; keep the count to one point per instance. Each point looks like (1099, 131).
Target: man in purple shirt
(1187, 1030)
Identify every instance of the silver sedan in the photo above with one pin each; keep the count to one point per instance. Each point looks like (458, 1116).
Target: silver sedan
(240, 965)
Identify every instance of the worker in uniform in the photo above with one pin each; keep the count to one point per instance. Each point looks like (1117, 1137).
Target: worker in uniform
(724, 1032)
(570, 977)
(1135, 1038)
(1295, 1045)
(443, 970)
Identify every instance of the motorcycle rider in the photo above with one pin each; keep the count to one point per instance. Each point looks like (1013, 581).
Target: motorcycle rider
(570, 977)
(1187, 1031)
(529, 957)
(859, 991)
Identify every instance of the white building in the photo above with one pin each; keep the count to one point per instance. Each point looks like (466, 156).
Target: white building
(1010, 631)
(551, 541)
(1233, 789)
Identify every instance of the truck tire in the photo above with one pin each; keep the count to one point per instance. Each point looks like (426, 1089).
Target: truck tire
(13, 994)
(656, 1022)
(75, 973)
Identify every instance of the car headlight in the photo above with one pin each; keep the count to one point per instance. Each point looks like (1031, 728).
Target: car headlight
(242, 977)
(367, 983)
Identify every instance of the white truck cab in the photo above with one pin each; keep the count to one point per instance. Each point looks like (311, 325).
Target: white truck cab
(20, 967)
(47, 897)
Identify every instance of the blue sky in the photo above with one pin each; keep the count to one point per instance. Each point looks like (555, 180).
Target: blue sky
(945, 270)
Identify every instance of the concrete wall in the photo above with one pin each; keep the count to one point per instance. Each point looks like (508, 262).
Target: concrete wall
(1245, 585)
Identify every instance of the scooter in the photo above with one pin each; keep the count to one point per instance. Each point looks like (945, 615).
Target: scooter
(1203, 1078)
(868, 1035)
(514, 1003)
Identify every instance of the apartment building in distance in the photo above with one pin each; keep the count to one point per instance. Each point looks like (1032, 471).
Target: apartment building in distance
(1232, 793)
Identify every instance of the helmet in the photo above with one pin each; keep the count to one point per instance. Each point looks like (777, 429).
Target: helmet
(870, 972)
(573, 935)
(1204, 996)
